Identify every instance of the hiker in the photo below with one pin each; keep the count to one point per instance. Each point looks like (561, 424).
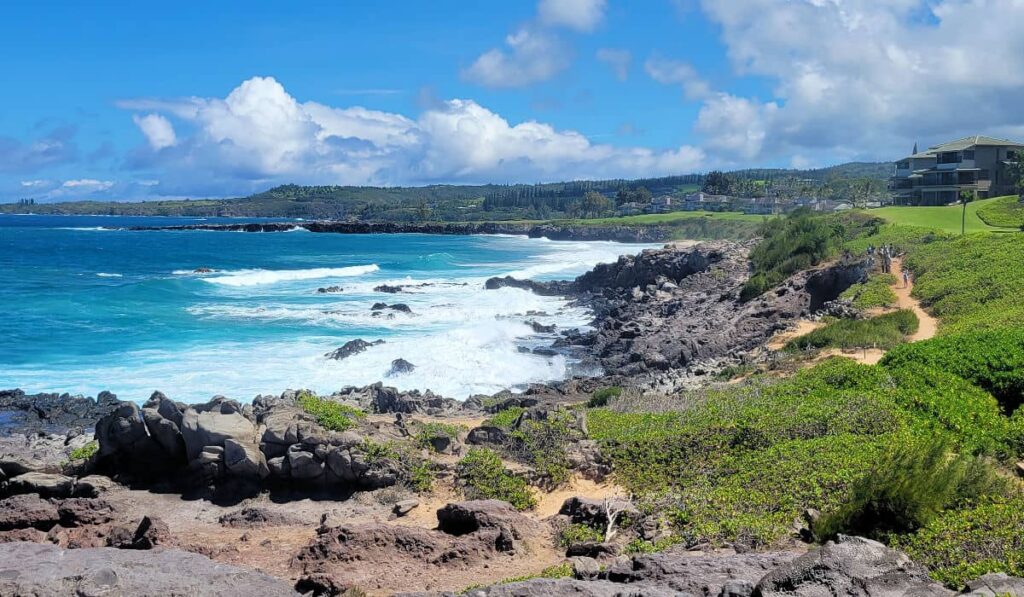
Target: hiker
(906, 279)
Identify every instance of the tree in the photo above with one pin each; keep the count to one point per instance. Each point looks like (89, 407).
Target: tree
(717, 183)
(966, 196)
(595, 205)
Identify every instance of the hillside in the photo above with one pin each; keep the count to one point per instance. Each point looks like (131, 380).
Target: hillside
(447, 203)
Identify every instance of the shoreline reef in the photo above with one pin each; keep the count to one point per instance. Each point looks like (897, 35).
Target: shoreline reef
(375, 491)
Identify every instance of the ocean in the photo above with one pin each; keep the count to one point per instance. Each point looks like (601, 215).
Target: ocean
(91, 306)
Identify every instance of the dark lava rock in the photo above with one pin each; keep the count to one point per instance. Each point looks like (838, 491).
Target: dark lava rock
(850, 566)
(400, 366)
(51, 413)
(255, 518)
(400, 307)
(84, 511)
(539, 288)
(330, 290)
(388, 289)
(462, 518)
(27, 511)
(352, 347)
(150, 533)
(41, 569)
(539, 328)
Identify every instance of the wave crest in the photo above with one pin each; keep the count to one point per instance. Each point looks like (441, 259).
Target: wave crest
(259, 277)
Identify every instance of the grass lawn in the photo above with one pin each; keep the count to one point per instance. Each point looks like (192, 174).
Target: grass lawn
(945, 218)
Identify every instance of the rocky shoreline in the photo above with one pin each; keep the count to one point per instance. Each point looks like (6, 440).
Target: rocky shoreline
(619, 233)
(272, 498)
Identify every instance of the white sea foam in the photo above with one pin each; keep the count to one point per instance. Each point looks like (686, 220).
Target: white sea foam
(257, 277)
(92, 229)
(108, 275)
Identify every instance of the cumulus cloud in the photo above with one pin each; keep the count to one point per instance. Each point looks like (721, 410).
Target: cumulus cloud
(260, 134)
(617, 60)
(582, 15)
(157, 129)
(677, 72)
(865, 78)
(88, 184)
(530, 55)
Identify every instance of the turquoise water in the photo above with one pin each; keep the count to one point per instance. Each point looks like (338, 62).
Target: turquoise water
(89, 308)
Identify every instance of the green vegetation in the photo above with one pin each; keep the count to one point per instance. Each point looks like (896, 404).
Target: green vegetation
(883, 331)
(432, 430)
(484, 477)
(797, 242)
(578, 533)
(603, 396)
(971, 283)
(556, 571)
(505, 419)
(541, 444)
(739, 464)
(993, 360)
(85, 452)
(1003, 212)
(909, 488)
(946, 218)
(960, 545)
(875, 292)
(329, 414)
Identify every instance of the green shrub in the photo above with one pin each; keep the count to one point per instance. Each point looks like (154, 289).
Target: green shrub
(1005, 212)
(971, 283)
(484, 476)
(875, 292)
(85, 452)
(330, 415)
(798, 241)
(993, 360)
(883, 331)
(542, 444)
(909, 488)
(375, 451)
(578, 533)
(603, 396)
(429, 431)
(505, 419)
(962, 545)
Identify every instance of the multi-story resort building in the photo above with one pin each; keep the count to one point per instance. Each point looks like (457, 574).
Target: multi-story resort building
(937, 176)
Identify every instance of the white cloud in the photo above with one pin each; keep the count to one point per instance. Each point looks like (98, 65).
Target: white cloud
(582, 15)
(530, 56)
(259, 134)
(617, 60)
(88, 184)
(867, 78)
(157, 129)
(676, 72)
(31, 184)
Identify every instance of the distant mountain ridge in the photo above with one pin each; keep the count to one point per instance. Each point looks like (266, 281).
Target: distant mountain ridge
(458, 203)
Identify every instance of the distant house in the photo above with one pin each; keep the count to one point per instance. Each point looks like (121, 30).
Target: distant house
(938, 175)
(630, 209)
(661, 204)
(701, 201)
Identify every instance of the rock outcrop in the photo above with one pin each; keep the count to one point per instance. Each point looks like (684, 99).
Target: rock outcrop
(40, 569)
(352, 347)
(52, 413)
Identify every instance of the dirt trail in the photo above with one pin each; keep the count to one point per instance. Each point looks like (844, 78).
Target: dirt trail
(550, 503)
(928, 325)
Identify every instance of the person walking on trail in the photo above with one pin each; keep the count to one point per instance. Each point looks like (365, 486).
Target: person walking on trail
(906, 279)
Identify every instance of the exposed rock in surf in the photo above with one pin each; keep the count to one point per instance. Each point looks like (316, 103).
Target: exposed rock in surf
(400, 366)
(51, 413)
(539, 328)
(352, 347)
(400, 307)
(539, 288)
(387, 289)
(203, 270)
(329, 290)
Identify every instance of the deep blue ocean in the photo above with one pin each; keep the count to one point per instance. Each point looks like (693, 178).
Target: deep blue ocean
(90, 306)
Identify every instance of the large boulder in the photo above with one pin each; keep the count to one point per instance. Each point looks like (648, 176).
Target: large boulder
(462, 518)
(37, 452)
(244, 460)
(851, 566)
(39, 569)
(214, 422)
(42, 484)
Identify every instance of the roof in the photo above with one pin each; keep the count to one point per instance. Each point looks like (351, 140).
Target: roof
(961, 144)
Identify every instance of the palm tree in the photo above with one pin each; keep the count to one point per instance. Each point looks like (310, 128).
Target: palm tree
(966, 196)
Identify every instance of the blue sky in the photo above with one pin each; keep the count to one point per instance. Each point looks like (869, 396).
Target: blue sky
(130, 101)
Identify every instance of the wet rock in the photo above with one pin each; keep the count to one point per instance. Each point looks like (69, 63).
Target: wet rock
(330, 290)
(400, 366)
(352, 347)
(539, 328)
(52, 413)
(400, 307)
(388, 289)
(40, 569)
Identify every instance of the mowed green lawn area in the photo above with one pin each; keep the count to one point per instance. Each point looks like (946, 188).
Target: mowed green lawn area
(945, 218)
